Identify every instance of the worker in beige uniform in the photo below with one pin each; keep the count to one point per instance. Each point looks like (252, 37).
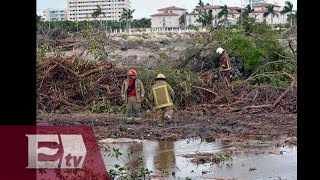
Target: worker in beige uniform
(132, 92)
(162, 96)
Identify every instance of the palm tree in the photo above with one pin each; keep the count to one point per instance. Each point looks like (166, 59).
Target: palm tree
(294, 17)
(288, 8)
(127, 16)
(200, 5)
(247, 11)
(199, 9)
(97, 13)
(206, 18)
(224, 12)
(38, 18)
(182, 20)
(270, 11)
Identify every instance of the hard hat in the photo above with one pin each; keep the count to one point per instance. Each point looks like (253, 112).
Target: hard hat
(132, 72)
(219, 50)
(161, 76)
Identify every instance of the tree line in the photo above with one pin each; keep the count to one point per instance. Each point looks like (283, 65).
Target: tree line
(125, 23)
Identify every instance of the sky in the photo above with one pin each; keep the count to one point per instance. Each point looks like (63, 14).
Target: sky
(144, 8)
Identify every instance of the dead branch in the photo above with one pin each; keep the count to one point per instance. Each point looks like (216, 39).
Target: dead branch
(290, 46)
(283, 94)
(251, 107)
(95, 70)
(214, 93)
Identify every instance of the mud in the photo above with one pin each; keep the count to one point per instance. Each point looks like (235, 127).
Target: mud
(228, 127)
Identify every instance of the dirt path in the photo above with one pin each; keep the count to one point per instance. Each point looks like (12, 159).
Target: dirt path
(228, 125)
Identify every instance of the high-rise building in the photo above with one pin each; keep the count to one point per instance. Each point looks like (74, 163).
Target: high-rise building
(275, 2)
(82, 9)
(54, 15)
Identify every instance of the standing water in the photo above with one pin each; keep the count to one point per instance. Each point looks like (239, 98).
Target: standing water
(176, 159)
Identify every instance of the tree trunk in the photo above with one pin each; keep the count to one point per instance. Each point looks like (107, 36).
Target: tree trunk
(127, 27)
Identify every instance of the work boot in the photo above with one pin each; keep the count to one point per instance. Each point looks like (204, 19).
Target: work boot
(129, 119)
(161, 123)
(167, 117)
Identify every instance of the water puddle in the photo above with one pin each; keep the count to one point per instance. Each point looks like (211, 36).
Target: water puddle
(198, 160)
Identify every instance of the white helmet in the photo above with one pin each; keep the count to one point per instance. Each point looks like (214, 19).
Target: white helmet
(219, 50)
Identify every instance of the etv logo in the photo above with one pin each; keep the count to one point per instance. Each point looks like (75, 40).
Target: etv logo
(74, 151)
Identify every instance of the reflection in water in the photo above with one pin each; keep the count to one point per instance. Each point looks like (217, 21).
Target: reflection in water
(168, 156)
(136, 151)
(164, 155)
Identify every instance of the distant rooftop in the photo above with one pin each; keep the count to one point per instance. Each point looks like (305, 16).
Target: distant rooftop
(265, 5)
(212, 7)
(193, 13)
(171, 8)
(165, 14)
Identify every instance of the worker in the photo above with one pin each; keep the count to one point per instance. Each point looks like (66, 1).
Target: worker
(225, 67)
(162, 96)
(132, 92)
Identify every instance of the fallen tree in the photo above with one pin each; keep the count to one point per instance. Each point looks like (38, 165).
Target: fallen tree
(72, 84)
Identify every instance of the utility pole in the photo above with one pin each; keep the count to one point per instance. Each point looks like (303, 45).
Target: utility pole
(106, 16)
(240, 11)
(185, 20)
(77, 18)
(127, 24)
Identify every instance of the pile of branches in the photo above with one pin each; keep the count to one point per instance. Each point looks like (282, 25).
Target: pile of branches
(246, 98)
(73, 84)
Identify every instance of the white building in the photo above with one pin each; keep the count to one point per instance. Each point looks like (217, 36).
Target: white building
(54, 15)
(215, 10)
(83, 9)
(167, 17)
(255, 2)
(275, 2)
(233, 14)
(191, 19)
(260, 9)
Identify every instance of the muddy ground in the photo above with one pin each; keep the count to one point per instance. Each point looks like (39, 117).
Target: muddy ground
(225, 126)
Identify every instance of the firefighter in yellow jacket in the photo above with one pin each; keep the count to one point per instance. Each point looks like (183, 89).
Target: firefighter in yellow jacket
(132, 92)
(162, 96)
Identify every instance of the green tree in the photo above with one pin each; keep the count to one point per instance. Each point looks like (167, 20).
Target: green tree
(224, 12)
(247, 11)
(39, 21)
(205, 18)
(127, 16)
(288, 8)
(97, 13)
(199, 9)
(270, 11)
(141, 23)
(182, 20)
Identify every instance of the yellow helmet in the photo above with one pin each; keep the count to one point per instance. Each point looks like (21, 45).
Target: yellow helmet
(161, 76)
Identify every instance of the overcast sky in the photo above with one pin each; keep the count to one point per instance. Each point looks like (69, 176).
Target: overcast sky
(144, 8)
